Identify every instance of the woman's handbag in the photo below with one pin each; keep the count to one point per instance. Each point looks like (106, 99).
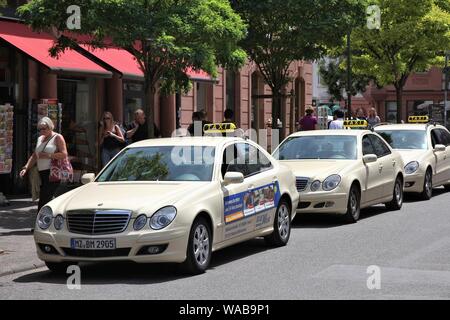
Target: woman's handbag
(61, 171)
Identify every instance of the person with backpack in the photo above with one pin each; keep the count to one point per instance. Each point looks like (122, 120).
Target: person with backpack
(111, 138)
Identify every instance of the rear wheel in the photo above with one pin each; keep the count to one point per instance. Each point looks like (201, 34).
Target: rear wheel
(397, 196)
(427, 192)
(281, 226)
(198, 255)
(353, 205)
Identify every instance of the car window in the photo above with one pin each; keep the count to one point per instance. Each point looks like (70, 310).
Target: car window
(367, 147)
(444, 137)
(255, 160)
(336, 147)
(380, 147)
(405, 139)
(434, 138)
(233, 161)
(161, 163)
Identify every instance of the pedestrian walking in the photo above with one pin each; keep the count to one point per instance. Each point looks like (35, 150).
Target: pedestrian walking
(111, 138)
(373, 118)
(138, 129)
(339, 122)
(308, 122)
(50, 149)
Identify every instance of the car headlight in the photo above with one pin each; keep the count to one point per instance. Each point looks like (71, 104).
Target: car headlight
(140, 222)
(162, 218)
(411, 167)
(331, 182)
(315, 185)
(45, 216)
(59, 222)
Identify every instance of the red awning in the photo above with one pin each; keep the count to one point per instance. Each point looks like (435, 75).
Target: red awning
(124, 63)
(36, 46)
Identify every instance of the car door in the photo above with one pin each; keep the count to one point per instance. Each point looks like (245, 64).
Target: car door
(373, 183)
(386, 165)
(444, 138)
(440, 157)
(263, 186)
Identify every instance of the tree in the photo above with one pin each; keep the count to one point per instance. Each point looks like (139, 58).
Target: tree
(283, 31)
(334, 76)
(166, 37)
(412, 37)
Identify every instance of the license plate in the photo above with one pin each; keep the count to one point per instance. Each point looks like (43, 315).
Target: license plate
(93, 244)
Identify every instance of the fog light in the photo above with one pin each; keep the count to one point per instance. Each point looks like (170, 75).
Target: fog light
(152, 249)
(329, 204)
(409, 184)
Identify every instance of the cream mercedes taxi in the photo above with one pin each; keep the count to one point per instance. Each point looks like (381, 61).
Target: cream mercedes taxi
(170, 200)
(342, 171)
(425, 148)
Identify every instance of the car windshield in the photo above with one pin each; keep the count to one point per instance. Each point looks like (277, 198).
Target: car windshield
(161, 163)
(318, 147)
(405, 139)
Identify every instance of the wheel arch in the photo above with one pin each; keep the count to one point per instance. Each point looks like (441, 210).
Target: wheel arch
(207, 216)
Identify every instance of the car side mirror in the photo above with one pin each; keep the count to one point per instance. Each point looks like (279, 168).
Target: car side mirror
(439, 148)
(87, 178)
(233, 178)
(369, 158)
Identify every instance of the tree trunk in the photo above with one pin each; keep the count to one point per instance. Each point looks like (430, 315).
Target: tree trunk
(150, 93)
(399, 93)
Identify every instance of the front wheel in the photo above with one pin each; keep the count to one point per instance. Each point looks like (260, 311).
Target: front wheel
(427, 192)
(353, 205)
(281, 226)
(198, 255)
(397, 196)
(447, 187)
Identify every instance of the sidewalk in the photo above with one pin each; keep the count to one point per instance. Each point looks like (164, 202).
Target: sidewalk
(17, 249)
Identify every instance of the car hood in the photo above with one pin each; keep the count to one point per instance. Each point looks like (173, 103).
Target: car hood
(412, 155)
(140, 197)
(318, 169)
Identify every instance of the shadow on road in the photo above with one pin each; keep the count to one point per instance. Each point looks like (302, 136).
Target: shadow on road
(134, 273)
(412, 197)
(13, 220)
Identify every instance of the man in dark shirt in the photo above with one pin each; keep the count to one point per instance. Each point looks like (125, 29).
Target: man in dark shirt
(138, 129)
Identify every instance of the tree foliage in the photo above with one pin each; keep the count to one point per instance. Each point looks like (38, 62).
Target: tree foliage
(283, 31)
(412, 37)
(167, 37)
(334, 76)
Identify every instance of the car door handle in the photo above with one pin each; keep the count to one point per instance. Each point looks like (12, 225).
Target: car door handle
(250, 187)
(380, 168)
(394, 163)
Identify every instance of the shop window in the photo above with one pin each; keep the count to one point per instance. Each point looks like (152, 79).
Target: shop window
(391, 111)
(201, 96)
(134, 97)
(419, 107)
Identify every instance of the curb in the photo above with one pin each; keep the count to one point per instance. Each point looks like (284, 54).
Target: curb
(21, 268)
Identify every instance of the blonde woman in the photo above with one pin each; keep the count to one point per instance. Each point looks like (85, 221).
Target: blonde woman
(373, 118)
(111, 139)
(50, 145)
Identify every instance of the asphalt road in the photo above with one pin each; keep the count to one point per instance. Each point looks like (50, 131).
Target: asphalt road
(325, 259)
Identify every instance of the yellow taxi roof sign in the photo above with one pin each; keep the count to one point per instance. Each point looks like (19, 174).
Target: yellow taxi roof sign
(219, 127)
(418, 119)
(356, 124)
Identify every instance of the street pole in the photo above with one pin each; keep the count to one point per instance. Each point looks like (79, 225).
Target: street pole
(446, 81)
(349, 74)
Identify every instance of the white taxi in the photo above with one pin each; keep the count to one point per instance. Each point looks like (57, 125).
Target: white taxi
(342, 171)
(425, 149)
(170, 200)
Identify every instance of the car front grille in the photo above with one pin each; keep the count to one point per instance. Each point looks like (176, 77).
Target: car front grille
(301, 183)
(97, 222)
(121, 252)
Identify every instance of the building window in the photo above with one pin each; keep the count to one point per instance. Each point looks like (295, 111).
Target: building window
(391, 111)
(201, 96)
(231, 91)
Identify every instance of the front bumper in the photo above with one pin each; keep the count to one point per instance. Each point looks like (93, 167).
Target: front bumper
(128, 245)
(323, 202)
(414, 182)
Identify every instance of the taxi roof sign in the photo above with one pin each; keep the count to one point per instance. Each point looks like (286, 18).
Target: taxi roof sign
(356, 124)
(219, 127)
(418, 119)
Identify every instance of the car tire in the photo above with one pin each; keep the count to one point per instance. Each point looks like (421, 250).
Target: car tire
(199, 249)
(397, 196)
(281, 226)
(59, 267)
(353, 205)
(447, 187)
(427, 192)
